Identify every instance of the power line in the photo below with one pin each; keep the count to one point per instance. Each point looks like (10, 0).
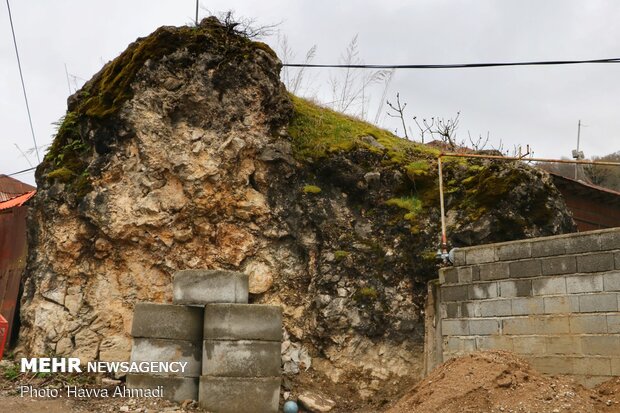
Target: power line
(457, 65)
(23, 171)
(21, 75)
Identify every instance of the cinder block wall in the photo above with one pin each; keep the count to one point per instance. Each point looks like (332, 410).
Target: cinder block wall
(555, 300)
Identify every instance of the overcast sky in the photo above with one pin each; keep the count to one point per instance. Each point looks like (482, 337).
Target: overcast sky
(539, 106)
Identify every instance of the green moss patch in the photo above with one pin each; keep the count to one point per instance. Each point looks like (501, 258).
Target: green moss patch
(411, 204)
(366, 295)
(311, 189)
(341, 255)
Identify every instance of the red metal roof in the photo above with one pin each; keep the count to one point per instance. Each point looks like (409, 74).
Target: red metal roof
(13, 186)
(17, 201)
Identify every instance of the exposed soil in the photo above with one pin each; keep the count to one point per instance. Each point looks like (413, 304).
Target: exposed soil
(498, 381)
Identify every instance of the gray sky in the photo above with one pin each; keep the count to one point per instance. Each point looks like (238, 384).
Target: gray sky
(539, 106)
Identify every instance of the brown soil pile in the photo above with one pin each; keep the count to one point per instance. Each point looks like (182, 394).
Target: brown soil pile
(498, 381)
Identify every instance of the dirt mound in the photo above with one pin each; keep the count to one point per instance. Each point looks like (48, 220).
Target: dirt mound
(498, 381)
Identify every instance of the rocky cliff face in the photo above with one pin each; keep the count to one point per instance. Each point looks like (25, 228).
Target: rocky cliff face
(187, 152)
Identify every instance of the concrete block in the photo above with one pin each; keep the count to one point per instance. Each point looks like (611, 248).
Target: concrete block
(448, 275)
(241, 358)
(613, 323)
(177, 322)
(588, 324)
(590, 381)
(460, 344)
(610, 240)
(483, 327)
(611, 281)
(525, 268)
(470, 309)
(479, 255)
(514, 251)
(515, 288)
(240, 394)
(495, 308)
(603, 261)
(466, 274)
(454, 293)
(598, 303)
(165, 350)
(451, 310)
(243, 322)
(548, 247)
(584, 284)
(561, 305)
(529, 345)
(615, 366)
(559, 265)
(493, 271)
(475, 273)
(200, 287)
(459, 257)
(528, 305)
(455, 327)
(592, 366)
(176, 389)
(535, 325)
(482, 291)
(549, 286)
(617, 260)
(601, 345)
(567, 344)
(494, 343)
(583, 243)
(552, 365)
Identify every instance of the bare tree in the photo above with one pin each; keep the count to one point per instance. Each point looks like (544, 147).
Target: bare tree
(424, 126)
(399, 112)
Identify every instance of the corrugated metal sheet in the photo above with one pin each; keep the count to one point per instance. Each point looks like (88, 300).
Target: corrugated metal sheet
(593, 207)
(17, 201)
(13, 186)
(13, 253)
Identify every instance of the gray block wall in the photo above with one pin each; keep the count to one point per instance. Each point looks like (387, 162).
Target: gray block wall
(241, 358)
(554, 300)
(168, 332)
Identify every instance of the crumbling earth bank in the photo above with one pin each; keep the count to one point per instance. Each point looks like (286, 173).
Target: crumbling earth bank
(499, 381)
(187, 152)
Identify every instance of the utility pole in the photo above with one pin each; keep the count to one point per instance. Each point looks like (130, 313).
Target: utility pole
(577, 154)
(197, 3)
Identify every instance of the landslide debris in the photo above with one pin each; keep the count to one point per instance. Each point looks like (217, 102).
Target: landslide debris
(501, 382)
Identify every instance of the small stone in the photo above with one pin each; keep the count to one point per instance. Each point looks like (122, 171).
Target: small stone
(123, 409)
(372, 178)
(316, 403)
(260, 277)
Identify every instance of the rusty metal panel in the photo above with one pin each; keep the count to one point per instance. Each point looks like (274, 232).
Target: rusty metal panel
(13, 253)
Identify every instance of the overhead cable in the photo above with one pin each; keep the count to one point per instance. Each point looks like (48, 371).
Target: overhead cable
(21, 75)
(456, 65)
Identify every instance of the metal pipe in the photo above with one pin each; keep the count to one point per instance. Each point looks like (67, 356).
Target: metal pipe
(512, 158)
(444, 236)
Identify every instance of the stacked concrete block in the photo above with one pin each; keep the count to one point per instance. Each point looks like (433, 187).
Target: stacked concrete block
(555, 300)
(241, 358)
(167, 333)
(174, 332)
(201, 287)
